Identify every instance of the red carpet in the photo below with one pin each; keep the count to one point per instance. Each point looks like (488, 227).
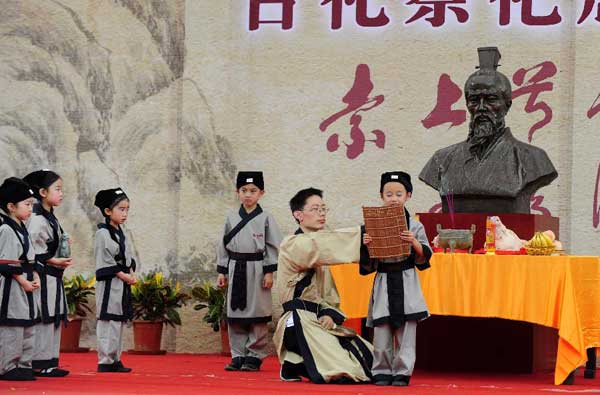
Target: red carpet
(203, 374)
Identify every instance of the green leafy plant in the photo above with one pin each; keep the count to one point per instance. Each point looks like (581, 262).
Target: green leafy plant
(77, 290)
(157, 299)
(212, 298)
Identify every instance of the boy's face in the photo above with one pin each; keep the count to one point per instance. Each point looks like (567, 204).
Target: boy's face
(22, 210)
(394, 193)
(249, 195)
(53, 195)
(313, 215)
(118, 214)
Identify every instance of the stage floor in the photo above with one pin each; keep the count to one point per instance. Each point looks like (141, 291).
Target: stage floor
(203, 374)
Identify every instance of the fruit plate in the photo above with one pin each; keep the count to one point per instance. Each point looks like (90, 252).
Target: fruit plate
(539, 250)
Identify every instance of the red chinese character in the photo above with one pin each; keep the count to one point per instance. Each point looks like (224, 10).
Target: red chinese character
(594, 109)
(534, 87)
(362, 19)
(596, 208)
(448, 94)
(438, 8)
(536, 205)
(527, 16)
(588, 7)
(287, 13)
(357, 100)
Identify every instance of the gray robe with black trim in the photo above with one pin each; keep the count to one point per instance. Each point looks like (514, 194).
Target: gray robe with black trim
(259, 236)
(400, 289)
(112, 300)
(17, 307)
(51, 294)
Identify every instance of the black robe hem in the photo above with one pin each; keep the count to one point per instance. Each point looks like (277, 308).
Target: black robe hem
(397, 321)
(269, 269)
(18, 322)
(222, 270)
(249, 320)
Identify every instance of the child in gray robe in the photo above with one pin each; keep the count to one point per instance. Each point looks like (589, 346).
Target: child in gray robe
(114, 276)
(46, 233)
(247, 257)
(18, 312)
(397, 302)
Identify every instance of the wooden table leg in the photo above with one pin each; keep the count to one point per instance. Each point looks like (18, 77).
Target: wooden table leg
(590, 366)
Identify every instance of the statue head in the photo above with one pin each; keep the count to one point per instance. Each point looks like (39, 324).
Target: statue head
(488, 94)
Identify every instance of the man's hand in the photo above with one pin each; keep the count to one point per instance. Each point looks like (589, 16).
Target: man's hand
(222, 280)
(326, 322)
(267, 282)
(367, 239)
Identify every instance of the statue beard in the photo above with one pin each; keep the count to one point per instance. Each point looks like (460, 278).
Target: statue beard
(484, 129)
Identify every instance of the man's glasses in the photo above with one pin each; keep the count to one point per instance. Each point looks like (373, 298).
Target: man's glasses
(317, 209)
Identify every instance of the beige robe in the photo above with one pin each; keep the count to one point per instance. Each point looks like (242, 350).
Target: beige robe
(325, 356)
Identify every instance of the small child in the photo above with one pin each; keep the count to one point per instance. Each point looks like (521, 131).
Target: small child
(397, 302)
(247, 254)
(18, 312)
(46, 233)
(114, 267)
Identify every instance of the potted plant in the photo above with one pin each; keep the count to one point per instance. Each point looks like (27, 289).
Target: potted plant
(155, 303)
(213, 299)
(77, 290)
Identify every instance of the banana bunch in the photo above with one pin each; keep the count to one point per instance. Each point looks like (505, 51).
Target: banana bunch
(540, 240)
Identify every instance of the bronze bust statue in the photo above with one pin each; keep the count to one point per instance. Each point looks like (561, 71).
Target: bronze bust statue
(492, 171)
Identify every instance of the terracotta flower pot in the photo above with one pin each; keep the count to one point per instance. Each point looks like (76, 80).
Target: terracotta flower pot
(69, 337)
(147, 336)
(225, 348)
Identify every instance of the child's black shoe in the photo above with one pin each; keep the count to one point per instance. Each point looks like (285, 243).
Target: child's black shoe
(401, 381)
(18, 374)
(119, 368)
(251, 364)
(382, 379)
(235, 365)
(51, 372)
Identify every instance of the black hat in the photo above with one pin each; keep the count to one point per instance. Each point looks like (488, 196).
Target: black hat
(14, 190)
(107, 198)
(250, 177)
(396, 176)
(40, 179)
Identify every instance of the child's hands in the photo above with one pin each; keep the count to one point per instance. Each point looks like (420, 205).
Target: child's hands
(367, 239)
(267, 282)
(221, 280)
(409, 237)
(29, 286)
(61, 262)
(127, 278)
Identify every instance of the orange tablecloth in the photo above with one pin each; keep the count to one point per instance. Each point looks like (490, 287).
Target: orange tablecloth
(562, 292)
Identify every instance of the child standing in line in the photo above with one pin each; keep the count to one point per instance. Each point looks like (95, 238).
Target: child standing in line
(397, 302)
(114, 276)
(17, 283)
(247, 256)
(46, 233)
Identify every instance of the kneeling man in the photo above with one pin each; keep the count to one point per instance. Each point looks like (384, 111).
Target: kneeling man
(306, 338)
